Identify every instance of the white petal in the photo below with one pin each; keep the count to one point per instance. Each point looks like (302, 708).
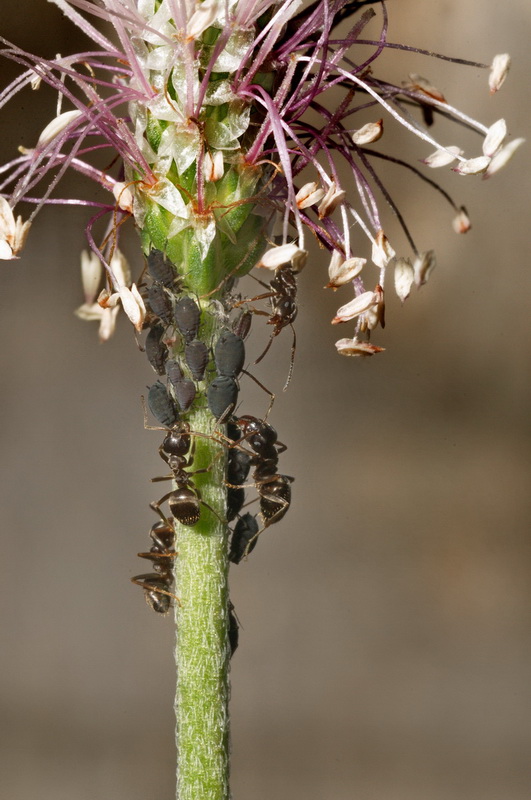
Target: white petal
(90, 312)
(57, 125)
(369, 133)
(404, 277)
(494, 138)
(502, 157)
(354, 347)
(7, 220)
(498, 71)
(206, 13)
(358, 306)
(6, 252)
(108, 323)
(473, 166)
(441, 158)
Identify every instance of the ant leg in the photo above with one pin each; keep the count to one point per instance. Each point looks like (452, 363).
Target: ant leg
(157, 509)
(292, 359)
(150, 583)
(266, 390)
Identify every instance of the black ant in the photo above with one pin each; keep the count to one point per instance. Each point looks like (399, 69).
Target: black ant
(282, 294)
(157, 585)
(178, 453)
(274, 489)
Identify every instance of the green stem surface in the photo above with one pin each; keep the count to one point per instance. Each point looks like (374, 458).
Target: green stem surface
(202, 651)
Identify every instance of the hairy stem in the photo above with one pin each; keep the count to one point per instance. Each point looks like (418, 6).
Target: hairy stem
(202, 652)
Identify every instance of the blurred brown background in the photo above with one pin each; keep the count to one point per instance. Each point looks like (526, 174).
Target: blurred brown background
(384, 650)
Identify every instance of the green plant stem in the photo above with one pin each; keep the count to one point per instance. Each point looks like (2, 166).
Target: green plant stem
(202, 652)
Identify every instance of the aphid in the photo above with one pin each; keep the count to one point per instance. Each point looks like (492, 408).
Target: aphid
(160, 303)
(160, 268)
(244, 538)
(156, 350)
(187, 316)
(196, 357)
(184, 392)
(235, 501)
(174, 371)
(222, 396)
(242, 325)
(162, 405)
(229, 354)
(238, 466)
(157, 585)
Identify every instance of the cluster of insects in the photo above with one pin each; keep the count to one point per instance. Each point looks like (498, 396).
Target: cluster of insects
(196, 370)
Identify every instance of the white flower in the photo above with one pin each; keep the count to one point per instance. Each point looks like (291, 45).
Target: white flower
(498, 71)
(13, 233)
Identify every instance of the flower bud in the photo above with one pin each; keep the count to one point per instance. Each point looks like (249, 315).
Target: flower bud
(213, 167)
(494, 138)
(13, 233)
(382, 252)
(341, 272)
(441, 158)
(308, 195)
(123, 196)
(368, 133)
(423, 266)
(91, 271)
(472, 166)
(360, 304)
(461, 223)
(284, 254)
(330, 201)
(56, 126)
(498, 71)
(354, 347)
(502, 157)
(404, 277)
